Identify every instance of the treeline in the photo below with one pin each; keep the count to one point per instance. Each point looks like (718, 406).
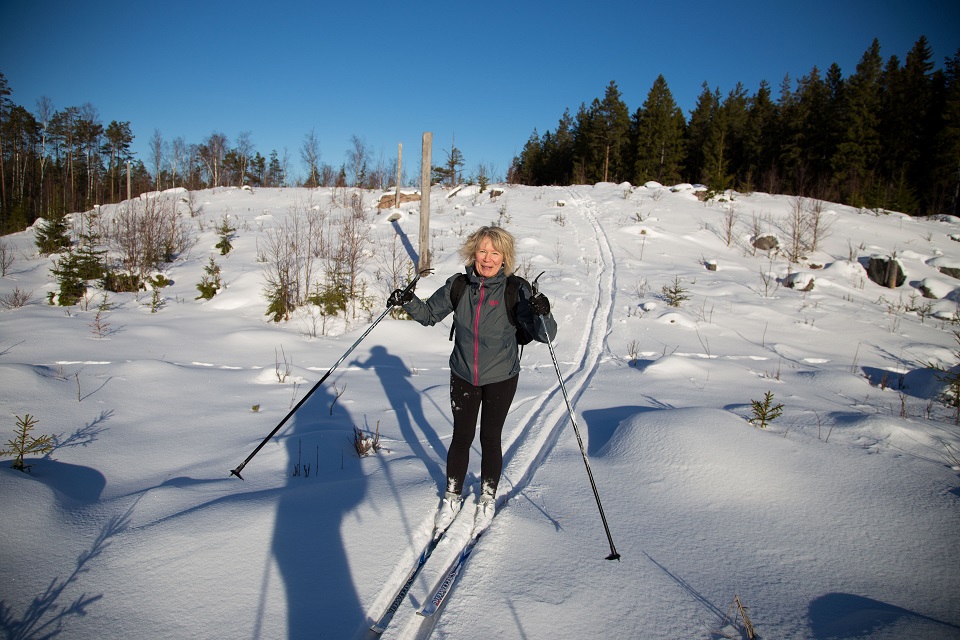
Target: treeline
(59, 161)
(887, 136)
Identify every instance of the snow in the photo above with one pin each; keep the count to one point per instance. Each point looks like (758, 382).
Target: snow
(841, 519)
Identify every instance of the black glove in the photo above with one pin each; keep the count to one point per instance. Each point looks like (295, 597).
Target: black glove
(399, 297)
(540, 305)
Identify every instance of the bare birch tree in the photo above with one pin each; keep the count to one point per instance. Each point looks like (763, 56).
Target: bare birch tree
(157, 156)
(212, 152)
(358, 159)
(310, 154)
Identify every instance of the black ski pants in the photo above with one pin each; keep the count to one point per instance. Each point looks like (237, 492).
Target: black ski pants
(491, 402)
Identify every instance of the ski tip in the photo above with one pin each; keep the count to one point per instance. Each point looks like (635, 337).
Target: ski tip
(614, 556)
(377, 629)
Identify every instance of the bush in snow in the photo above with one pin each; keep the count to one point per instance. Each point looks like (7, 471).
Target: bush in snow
(365, 444)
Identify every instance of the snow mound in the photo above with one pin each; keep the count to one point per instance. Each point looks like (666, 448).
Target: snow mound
(675, 367)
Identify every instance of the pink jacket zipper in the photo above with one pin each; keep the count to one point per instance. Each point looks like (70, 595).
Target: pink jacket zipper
(476, 337)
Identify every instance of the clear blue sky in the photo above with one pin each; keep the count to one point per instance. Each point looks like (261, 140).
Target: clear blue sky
(487, 73)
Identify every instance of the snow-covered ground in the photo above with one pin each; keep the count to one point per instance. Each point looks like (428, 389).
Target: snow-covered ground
(841, 519)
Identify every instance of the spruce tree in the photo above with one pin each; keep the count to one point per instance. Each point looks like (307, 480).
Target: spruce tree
(72, 285)
(857, 156)
(716, 171)
(761, 142)
(698, 129)
(585, 132)
(527, 167)
(613, 118)
(946, 173)
(659, 130)
(559, 155)
(737, 120)
(53, 236)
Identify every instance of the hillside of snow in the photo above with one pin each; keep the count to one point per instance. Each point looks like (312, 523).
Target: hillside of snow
(840, 519)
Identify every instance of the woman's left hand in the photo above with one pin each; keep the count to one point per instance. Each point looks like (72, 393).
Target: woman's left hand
(540, 305)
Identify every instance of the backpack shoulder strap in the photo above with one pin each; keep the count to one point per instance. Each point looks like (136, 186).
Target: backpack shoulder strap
(456, 292)
(512, 296)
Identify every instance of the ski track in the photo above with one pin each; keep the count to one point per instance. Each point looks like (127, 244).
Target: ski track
(526, 446)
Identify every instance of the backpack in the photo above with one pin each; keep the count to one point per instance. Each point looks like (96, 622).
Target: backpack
(511, 298)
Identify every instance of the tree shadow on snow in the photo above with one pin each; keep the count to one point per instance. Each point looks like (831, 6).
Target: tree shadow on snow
(407, 245)
(844, 615)
(46, 616)
(325, 484)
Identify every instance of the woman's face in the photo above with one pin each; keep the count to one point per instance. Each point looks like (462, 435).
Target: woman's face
(487, 260)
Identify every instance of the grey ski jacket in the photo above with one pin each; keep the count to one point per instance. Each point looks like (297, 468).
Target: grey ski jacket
(485, 346)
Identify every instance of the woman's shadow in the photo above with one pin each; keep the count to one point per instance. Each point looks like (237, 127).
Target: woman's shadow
(407, 403)
(325, 484)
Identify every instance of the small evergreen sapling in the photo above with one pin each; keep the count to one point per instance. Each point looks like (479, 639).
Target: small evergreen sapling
(210, 283)
(765, 412)
(53, 236)
(225, 231)
(675, 294)
(25, 444)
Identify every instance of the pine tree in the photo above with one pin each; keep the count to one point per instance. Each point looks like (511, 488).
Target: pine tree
(804, 143)
(53, 236)
(760, 142)
(736, 113)
(613, 118)
(716, 173)
(583, 166)
(72, 285)
(274, 176)
(857, 156)
(558, 154)
(920, 84)
(659, 130)
(946, 171)
(526, 168)
(698, 130)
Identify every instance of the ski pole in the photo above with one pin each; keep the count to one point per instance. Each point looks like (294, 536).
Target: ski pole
(613, 550)
(409, 287)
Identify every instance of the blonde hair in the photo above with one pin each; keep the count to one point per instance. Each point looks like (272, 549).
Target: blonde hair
(501, 240)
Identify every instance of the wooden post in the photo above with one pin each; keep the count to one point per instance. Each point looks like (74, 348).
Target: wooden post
(396, 200)
(425, 172)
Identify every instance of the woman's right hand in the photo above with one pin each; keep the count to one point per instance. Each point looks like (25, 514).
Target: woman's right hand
(399, 297)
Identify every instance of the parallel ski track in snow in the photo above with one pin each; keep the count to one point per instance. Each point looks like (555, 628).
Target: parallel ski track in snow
(534, 434)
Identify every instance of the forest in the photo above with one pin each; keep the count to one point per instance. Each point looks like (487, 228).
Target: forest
(885, 137)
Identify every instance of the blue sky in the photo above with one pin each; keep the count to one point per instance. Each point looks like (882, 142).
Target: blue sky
(484, 74)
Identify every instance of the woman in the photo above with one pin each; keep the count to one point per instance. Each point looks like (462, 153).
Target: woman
(485, 363)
